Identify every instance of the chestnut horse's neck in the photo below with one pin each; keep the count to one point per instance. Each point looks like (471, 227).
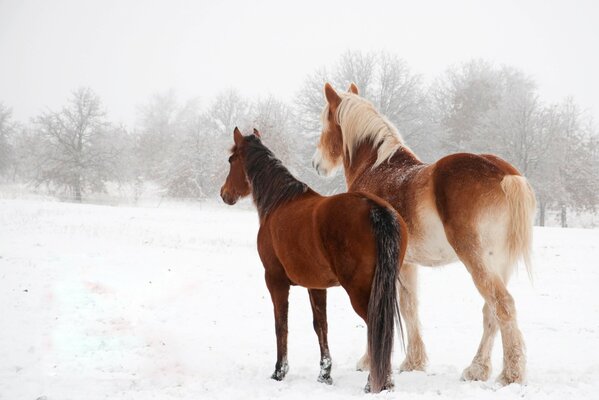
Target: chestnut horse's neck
(272, 184)
(365, 157)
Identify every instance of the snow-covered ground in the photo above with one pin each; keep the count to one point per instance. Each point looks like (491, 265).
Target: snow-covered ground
(169, 303)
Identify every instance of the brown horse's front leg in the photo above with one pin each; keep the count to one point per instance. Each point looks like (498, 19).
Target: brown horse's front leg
(279, 292)
(318, 300)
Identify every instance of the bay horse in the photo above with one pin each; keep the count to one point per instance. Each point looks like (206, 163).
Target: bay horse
(354, 240)
(474, 208)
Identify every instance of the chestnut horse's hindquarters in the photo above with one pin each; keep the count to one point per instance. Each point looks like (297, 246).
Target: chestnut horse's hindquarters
(522, 206)
(383, 308)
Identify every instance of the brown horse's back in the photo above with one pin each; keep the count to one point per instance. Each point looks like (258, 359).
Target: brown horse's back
(311, 252)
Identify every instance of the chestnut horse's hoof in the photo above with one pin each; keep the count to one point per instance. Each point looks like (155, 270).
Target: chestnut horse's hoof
(363, 363)
(477, 372)
(508, 377)
(280, 372)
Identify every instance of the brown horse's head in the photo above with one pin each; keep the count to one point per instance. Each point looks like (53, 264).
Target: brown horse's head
(329, 152)
(237, 184)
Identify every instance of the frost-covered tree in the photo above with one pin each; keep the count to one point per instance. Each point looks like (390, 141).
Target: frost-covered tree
(72, 149)
(156, 133)
(228, 110)
(185, 173)
(387, 81)
(7, 130)
(276, 122)
(484, 109)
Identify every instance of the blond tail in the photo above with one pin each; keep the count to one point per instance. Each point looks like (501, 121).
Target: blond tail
(522, 206)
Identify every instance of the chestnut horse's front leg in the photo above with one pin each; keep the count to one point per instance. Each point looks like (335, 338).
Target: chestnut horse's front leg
(279, 292)
(318, 300)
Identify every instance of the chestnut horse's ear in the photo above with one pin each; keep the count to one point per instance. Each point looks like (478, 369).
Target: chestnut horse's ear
(237, 136)
(332, 97)
(353, 88)
(256, 133)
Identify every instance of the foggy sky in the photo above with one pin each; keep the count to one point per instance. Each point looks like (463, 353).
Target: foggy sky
(128, 50)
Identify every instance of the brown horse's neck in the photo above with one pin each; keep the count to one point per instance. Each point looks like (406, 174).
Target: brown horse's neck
(272, 184)
(360, 171)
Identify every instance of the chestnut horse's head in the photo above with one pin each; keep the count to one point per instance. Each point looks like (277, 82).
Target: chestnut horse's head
(349, 121)
(237, 184)
(329, 152)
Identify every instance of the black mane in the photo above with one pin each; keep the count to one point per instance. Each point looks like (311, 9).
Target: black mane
(272, 183)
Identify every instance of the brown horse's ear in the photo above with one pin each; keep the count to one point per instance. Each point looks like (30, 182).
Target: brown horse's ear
(237, 136)
(256, 133)
(332, 97)
(353, 88)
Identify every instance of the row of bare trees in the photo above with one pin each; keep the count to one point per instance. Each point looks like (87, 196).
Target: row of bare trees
(181, 145)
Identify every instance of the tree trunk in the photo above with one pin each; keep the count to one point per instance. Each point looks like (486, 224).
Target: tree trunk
(564, 216)
(77, 190)
(542, 213)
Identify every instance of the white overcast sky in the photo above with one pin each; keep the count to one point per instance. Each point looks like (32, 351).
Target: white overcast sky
(128, 50)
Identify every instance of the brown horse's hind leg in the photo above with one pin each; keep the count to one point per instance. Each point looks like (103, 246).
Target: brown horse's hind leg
(502, 308)
(279, 292)
(480, 369)
(359, 297)
(318, 300)
(408, 302)
(416, 358)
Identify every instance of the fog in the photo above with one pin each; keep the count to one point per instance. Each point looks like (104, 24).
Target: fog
(133, 99)
(128, 50)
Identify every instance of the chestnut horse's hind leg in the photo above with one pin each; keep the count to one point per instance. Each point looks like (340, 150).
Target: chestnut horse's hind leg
(318, 300)
(500, 306)
(279, 292)
(480, 369)
(363, 363)
(408, 302)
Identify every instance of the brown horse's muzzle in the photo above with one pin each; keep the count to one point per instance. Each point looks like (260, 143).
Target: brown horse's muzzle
(227, 197)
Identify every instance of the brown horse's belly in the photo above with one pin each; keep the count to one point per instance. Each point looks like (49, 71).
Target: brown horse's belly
(310, 275)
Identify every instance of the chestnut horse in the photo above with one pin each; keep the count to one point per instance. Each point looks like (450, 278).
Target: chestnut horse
(355, 240)
(475, 208)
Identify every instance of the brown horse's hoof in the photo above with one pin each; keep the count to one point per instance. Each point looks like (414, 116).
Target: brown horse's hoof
(280, 372)
(325, 371)
(388, 386)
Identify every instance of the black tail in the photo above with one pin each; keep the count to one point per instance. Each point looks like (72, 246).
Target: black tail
(383, 308)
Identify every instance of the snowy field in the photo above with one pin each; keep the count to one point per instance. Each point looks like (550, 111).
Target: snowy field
(105, 302)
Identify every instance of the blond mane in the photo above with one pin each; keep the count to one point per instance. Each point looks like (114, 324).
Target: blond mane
(360, 122)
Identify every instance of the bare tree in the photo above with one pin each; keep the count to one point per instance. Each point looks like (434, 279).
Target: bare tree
(156, 135)
(184, 175)
(73, 151)
(7, 130)
(485, 109)
(385, 80)
(309, 102)
(275, 121)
